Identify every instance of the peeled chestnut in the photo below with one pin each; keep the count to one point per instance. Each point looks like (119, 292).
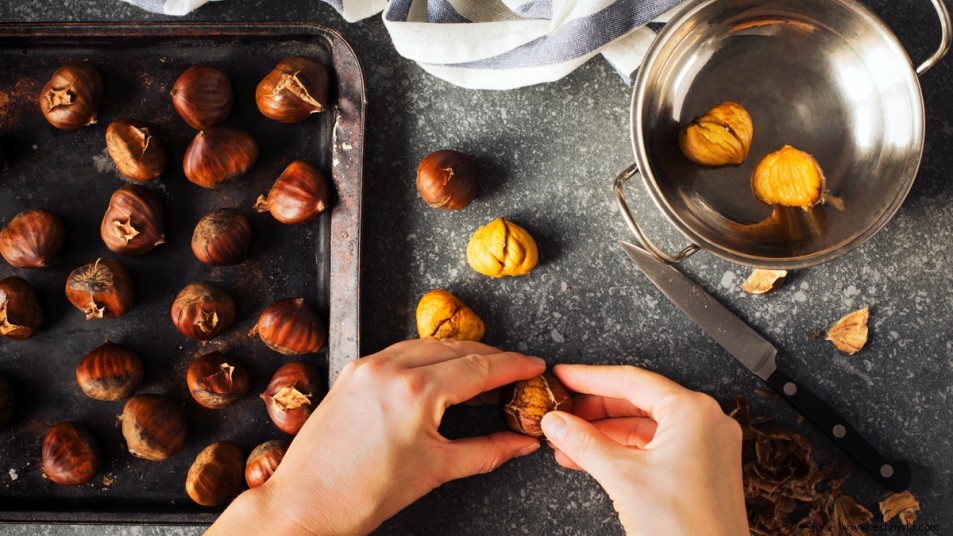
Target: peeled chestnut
(203, 96)
(70, 455)
(527, 401)
(138, 152)
(222, 237)
(133, 223)
(154, 426)
(32, 238)
(296, 88)
(6, 402)
(202, 311)
(290, 327)
(100, 289)
(447, 179)
(263, 461)
(218, 156)
(215, 381)
(110, 372)
(215, 476)
(292, 394)
(71, 98)
(299, 194)
(20, 313)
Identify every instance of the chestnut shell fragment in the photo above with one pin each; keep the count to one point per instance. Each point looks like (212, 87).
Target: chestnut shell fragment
(215, 476)
(216, 381)
(290, 327)
(20, 312)
(101, 289)
(292, 394)
(134, 222)
(110, 372)
(32, 238)
(70, 455)
(71, 98)
(154, 426)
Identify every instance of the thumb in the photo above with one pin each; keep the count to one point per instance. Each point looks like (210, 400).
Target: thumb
(582, 443)
(482, 454)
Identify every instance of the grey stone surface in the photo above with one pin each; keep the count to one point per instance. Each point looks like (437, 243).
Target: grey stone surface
(549, 154)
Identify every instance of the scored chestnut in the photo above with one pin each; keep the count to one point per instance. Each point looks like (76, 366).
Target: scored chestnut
(20, 312)
(70, 455)
(7, 401)
(222, 237)
(298, 195)
(203, 96)
(154, 426)
(527, 401)
(32, 238)
(292, 394)
(202, 311)
(263, 461)
(215, 381)
(71, 98)
(296, 88)
(138, 152)
(101, 289)
(290, 327)
(110, 372)
(133, 223)
(215, 476)
(447, 179)
(218, 156)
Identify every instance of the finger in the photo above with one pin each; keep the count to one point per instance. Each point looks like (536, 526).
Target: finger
(564, 460)
(422, 352)
(648, 391)
(463, 378)
(582, 443)
(595, 407)
(478, 455)
(628, 431)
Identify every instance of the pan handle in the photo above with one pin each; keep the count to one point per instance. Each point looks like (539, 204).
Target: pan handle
(944, 16)
(643, 239)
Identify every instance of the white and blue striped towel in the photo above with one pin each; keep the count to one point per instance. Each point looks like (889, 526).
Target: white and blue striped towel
(501, 44)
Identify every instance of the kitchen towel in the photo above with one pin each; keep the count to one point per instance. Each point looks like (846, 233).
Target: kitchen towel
(502, 44)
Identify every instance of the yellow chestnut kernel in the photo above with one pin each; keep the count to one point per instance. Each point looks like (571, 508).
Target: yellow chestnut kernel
(789, 177)
(719, 137)
(502, 248)
(442, 315)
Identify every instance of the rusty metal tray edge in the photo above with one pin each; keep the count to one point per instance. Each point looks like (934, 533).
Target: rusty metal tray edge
(347, 157)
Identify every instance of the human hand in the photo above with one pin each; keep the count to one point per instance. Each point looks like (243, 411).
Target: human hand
(669, 458)
(372, 446)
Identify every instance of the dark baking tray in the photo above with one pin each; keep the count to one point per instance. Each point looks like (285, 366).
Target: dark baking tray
(69, 173)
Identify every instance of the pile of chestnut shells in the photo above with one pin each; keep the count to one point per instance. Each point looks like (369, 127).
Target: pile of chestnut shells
(154, 426)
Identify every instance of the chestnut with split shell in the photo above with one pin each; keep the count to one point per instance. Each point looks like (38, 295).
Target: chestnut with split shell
(100, 289)
(138, 152)
(32, 238)
(296, 88)
(292, 394)
(71, 98)
(202, 311)
(134, 222)
(215, 476)
(525, 403)
(20, 312)
(70, 455)
(216, 381)
(154, 426)
(110, 372)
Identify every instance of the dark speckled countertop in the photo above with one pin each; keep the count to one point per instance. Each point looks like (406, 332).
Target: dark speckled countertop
(548, 155)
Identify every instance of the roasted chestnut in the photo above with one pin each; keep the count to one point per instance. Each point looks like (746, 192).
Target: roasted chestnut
(292, 394)
(7, 401)
(139, 153)
(263, 461)
(215, 476)
(222, 237)
(71, 98)
(133, 223)
(298, 195)
(527, 401)
(203, 96)
(20, 313)
(218, 156)
(447, 179)
(110, 372)
(32, 238)
(100, 289)
(70, 455)
(154, 426)
(202, 311)
(290, 327)
(215, 381)
(296, 88)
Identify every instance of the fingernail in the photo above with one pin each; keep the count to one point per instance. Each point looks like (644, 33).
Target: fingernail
(554, 426)
(528, 449)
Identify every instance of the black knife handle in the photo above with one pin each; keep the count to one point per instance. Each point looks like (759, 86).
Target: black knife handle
(894, 475)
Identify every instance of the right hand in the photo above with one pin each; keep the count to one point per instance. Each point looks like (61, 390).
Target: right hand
(669, 457)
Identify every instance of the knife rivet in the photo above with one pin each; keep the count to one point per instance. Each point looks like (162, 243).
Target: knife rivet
(839, 431)
(790, 388)
(886, 470)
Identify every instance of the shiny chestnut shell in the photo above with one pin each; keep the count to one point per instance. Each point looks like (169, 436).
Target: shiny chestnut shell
(202, 311)
(292, 394)
(215, 476)
(101, 289)
(154, 426)
(70, 455)
(20, 312)
(137, 150)
(296, 88)
(263, 461)
(32, 238)
(7, 401)
(216, 381)
(109, 372)
(291, 327)
(222, 237)
(218, 156)
(447, 179)
(134, 223)
(71, 98)
(203, 96)
(298, 195)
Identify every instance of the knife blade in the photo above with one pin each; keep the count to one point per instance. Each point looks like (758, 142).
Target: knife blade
(758, 355)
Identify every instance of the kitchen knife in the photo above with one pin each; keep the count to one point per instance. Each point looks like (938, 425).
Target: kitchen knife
(758, 355)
